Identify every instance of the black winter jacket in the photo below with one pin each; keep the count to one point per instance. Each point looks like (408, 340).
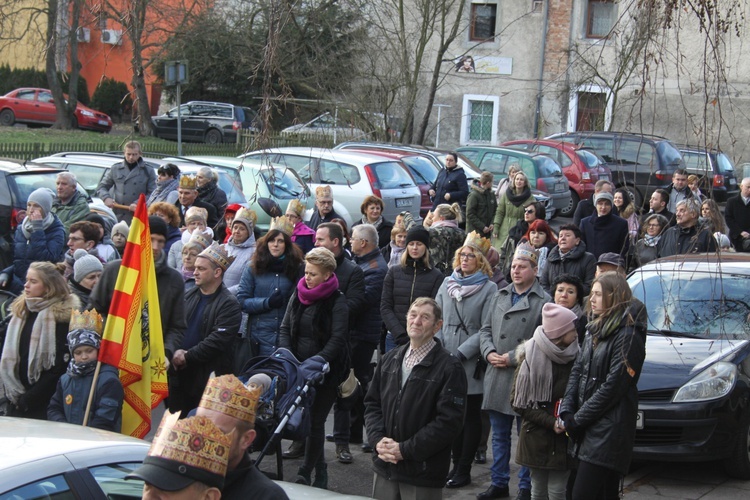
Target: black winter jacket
(602, 394)
(424, 416)
(451, 181)
(679, 241)
(368, 323)
(578, 262)
(320, 329)
(351, 283)
(402, 286)
(607, 233)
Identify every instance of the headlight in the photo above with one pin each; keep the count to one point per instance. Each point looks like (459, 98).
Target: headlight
(87, 113)
(712, 383)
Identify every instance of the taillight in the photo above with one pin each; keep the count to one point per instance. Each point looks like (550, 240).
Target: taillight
(373, 179)
(661, 176)
(541, 186)
(718, 180)
(236, 125)
(14, 219)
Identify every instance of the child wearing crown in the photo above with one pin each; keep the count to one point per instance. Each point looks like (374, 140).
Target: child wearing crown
(72, 394)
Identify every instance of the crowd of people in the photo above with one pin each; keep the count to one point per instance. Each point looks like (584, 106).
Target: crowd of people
(480, 320)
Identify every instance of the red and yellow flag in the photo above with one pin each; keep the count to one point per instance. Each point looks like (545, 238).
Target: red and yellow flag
(133, 340)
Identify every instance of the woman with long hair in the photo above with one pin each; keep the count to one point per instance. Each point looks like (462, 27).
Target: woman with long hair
(712, 217)
(414, 277)
(600, 406)
(510, 209)
(540, 236)
(626, 210)
(445, 236)
(268, 282)
(167, 184)
(34, 355)
(464, 297)
(317, 323)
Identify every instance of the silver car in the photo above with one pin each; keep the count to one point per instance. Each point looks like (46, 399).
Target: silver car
(351, 176)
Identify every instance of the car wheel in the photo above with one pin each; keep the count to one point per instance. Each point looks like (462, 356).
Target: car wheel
(213, 136)
(7, 117)
(635, 196)
(571, 208)
(738, 464)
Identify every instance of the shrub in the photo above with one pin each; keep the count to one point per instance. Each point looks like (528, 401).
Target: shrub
(112, 97)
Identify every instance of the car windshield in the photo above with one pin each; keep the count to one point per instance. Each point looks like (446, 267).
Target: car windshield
(231, 188)
(589, 158)
(282, 183)
(701, 304)
(668, 154)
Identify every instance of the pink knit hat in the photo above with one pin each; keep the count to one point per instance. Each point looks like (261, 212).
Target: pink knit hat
(557, 320)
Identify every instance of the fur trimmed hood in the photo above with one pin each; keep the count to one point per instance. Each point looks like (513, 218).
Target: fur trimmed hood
(62, 309)
(476, 187)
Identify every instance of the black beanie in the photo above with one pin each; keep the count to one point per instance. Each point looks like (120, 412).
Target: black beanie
(157, 225)
(418, 234)
(96, 218)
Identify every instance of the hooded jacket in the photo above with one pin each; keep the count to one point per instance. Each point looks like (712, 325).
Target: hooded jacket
(480, 210)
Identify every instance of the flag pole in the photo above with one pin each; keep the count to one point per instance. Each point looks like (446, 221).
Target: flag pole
(91, 393)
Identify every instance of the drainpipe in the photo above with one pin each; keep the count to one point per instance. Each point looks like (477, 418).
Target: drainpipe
(541, 71)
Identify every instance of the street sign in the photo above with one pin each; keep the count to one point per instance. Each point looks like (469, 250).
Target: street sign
(175, 73)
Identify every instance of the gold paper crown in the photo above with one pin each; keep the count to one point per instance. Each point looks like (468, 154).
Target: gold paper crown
(195, 442)
(474, 240)
(247, 216)
(218, 255)
(227, 395)
(297, 207)
(188, 182)
(323, 192)
(88, 320)
(200, 240)
(526, 251)
(282, 224)
(196, 213)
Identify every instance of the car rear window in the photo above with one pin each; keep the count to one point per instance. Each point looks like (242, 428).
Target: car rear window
(669, 156)
(282, 183)
(391, 175)
(635, 153)
(547, 167)
(334, 172)
(696, 162)
(423, 170)
(603, 147)
(589, 158)
(87, 175)
(725, 164)
(709, 305)
(25, 184)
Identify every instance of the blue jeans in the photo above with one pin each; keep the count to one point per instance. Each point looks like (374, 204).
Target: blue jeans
(390, 343)
(502, 426)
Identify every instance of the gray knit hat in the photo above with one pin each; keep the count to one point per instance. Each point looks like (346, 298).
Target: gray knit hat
(120, 228)
(85, 264)
(43, 198)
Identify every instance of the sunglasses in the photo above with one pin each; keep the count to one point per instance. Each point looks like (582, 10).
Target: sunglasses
(529, 211)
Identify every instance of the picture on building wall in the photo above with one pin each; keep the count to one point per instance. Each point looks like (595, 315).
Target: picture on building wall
(465, 64)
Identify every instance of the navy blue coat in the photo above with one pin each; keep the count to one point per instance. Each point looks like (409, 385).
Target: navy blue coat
(367, 324)
(608, 233)
(263, 321)
(453, 182)
(69, 402)
(44, 246)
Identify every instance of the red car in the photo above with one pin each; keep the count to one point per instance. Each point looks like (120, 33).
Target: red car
(36, 106)
(582, 167)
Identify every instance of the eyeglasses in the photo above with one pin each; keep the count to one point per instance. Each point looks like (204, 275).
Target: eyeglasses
(529, 211)
(467, 256)
(655, 225)
(75, 238)
(292, 216)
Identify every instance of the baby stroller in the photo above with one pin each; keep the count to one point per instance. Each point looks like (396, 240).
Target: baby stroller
(283, 409)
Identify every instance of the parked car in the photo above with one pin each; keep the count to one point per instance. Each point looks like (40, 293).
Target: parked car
(18, 179)
(639, 163)
(694, 390)
(41, 460)
(715, 169)
(211, 122)
(280, 184)
(89, 168)
(543, 171)
(328, 125)
(352, 177)
(582, 167)
(37, 107)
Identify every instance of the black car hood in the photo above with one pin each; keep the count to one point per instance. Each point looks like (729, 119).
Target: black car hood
(672, 361)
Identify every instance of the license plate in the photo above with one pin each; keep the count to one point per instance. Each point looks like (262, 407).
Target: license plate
(404, 202)
(103, 122)
(733, 182)
(639, 420)
(559, 188)
(603, 177)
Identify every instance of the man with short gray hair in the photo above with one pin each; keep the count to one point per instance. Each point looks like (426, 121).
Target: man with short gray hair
(737, 214)
(209, 191)
(687, 236)
(69, 205)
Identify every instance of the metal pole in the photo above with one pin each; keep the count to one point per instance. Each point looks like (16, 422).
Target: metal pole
(437, 129)
(335, 122)
(179, 118)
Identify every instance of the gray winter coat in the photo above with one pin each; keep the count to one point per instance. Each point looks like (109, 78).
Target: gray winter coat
(506, 328)
(473, 311)
(125, 185)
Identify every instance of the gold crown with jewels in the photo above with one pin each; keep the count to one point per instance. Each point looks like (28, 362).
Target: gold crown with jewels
(87, 320)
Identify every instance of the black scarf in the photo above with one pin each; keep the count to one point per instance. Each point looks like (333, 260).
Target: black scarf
(518, 199)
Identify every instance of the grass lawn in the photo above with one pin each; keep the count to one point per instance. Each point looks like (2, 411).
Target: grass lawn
(120, 134)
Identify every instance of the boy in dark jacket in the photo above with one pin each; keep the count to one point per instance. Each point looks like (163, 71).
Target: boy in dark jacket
(70, 399)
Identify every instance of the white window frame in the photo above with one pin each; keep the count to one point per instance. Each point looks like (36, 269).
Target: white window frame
(466, 117)
(573, 105)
